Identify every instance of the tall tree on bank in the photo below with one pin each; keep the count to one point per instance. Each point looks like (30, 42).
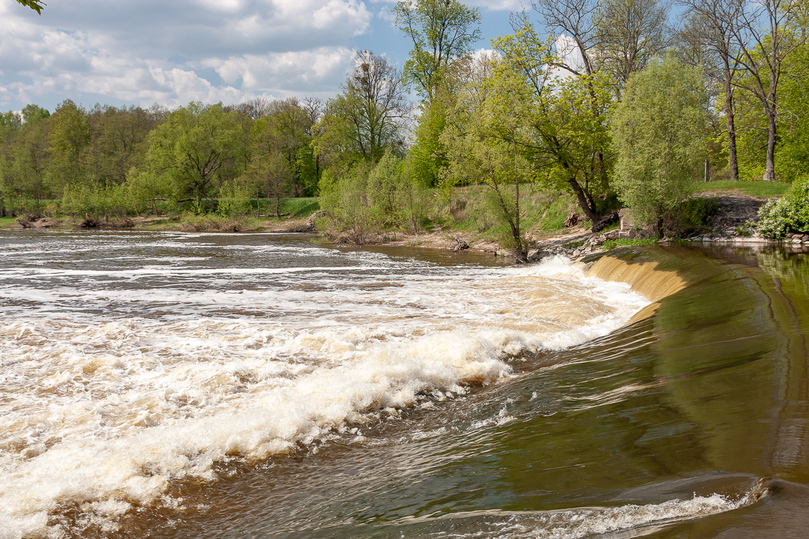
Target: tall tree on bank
(292, 128)
(568, 117)
(367, 117)
(441, 32)
(708, 28)
(487, 139)
(69, 139)
(762, 30)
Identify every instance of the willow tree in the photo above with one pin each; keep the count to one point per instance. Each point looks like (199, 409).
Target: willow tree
(659, 132)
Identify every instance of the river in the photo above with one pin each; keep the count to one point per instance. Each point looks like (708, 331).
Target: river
(162, 384)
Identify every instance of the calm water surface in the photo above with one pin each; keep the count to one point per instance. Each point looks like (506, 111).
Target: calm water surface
(203, 385)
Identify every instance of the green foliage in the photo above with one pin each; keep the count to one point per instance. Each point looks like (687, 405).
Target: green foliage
(777, 218)
(658, 132)
(427, 157)
(484, 144)
(68, 139)
(624, 242)
(366, 119)
(300, 207)
(117, 141)
(234, 199)
(196, 149)
(569, 146)
(346, 203)
(36, 5)
(687, 217)
(441, 31)
(793, 146)
(97, 201)
(367, 199)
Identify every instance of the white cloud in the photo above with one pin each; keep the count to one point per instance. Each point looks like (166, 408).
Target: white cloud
(148, 51)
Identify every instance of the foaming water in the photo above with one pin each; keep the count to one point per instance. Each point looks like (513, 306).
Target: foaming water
(129, 362)
(630, 520)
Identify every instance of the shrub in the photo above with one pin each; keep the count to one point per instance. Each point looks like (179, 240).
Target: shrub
(777, 218)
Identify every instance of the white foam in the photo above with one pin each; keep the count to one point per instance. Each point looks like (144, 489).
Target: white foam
(109, 393)
(622, 521)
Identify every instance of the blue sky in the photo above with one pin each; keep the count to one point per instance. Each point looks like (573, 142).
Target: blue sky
(142, 52)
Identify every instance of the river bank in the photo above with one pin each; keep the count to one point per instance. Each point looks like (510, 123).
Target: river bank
(734, 223)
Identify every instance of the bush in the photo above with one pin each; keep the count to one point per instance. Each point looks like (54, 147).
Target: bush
(777, 218)
(234, 200)
(97, 201)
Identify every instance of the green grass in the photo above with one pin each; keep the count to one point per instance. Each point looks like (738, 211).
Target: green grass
(7, 222)
(758, 189)
(611, 244)
(299, 208)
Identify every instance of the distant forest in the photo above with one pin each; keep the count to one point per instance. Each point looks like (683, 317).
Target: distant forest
(622, 103)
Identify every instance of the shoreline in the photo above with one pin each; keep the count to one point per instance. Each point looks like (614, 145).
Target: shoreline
(733, 225)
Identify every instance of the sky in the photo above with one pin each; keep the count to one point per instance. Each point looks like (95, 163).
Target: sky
(146, 52)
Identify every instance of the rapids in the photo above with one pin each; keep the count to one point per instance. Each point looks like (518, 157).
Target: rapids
(241, 385)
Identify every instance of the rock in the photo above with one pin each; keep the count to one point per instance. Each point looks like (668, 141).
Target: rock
(572, 219)
(628, 229)
(459, 244)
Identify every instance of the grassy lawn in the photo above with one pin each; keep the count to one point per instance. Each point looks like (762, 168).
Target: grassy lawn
(7, 222)
(758, 189)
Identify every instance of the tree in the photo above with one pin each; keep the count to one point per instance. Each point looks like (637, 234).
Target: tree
(368, 117)
(709, 27)
(195, 149)
(24, 163)
(793, 156)
(269, 169)
(760, 29)
(117, 141)
(292, 128)
(567, 114)
(441, 31)
(630, 33)
(658, 132)
(486, 141)
(69, 139)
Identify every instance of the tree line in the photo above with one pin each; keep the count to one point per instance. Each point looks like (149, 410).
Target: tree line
(597, 98)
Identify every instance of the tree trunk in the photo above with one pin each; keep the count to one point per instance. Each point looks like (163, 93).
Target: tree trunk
(581, 197)
(733, 160)
(772, 137)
